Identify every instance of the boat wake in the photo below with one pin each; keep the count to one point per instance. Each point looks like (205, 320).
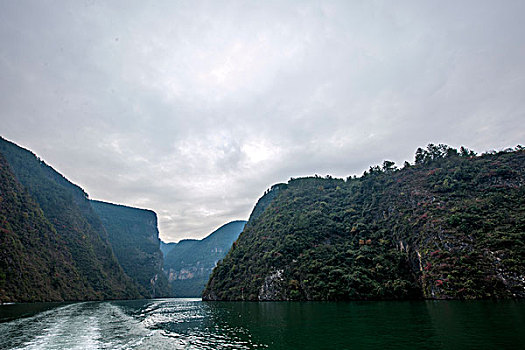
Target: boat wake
(152, 324)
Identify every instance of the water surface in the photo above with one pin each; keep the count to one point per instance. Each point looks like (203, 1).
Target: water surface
(193, 324)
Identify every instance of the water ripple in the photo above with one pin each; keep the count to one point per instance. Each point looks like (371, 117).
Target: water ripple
(153, 324)
(192, 324)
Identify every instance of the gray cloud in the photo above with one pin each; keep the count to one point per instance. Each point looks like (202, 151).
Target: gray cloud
(193, 108)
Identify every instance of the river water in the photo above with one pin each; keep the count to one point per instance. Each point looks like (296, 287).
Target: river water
(192, 324)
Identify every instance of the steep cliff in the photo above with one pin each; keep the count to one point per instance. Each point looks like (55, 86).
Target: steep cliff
(134, 236)
(78, 231)
(189, 263)
(450, 226)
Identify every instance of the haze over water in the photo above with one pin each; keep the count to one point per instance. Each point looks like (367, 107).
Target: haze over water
(193, 324)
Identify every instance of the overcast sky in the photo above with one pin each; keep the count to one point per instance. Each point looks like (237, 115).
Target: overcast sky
(193, 109)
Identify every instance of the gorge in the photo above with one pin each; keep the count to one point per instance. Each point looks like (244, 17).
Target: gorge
(449, 226)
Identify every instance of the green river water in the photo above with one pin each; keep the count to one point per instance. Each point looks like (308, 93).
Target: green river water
(194, 324)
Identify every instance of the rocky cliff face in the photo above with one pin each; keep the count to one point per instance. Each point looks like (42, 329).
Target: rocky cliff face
(134, 236)
(189, 263)
(451, 226)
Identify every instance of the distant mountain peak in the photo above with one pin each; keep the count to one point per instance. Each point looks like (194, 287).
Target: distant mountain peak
(189, 262)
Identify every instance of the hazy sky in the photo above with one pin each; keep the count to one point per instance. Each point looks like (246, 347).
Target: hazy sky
(193, 109)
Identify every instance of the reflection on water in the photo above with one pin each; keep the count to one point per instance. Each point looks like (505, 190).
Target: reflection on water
(193, 324)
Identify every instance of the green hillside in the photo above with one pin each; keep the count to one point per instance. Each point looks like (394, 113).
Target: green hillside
(66, 208)
(450, 226)
(190, 262)
(134, 236)
(34, 264)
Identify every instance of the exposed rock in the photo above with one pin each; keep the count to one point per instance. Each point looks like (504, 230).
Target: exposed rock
(272, 288)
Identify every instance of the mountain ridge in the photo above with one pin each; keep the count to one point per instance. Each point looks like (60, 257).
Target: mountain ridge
(55, 247)
(189, 262)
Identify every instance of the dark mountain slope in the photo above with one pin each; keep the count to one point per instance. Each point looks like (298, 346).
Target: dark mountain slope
(451, 226)
(34, 264)
(134, 236)
(67, 208)
(190, 262)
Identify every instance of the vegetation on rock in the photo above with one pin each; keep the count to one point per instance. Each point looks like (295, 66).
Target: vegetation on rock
(190, 262)
(34, 264)
(86, 260)
(134, 236)
(450, 226)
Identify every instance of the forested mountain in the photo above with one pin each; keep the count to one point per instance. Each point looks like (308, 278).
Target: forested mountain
(34, 265)
(190, 262)
(450, 226)
(56, 223)
(264, 202)
(134, 236)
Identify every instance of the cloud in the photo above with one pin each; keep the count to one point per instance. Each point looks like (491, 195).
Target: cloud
(193, 109)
